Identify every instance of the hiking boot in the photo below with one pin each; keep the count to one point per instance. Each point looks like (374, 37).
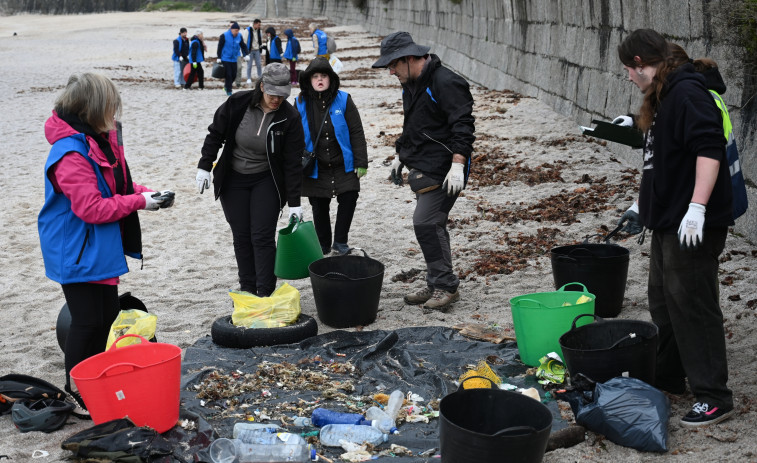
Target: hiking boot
(73, 397)
(340, 249)
(419, 297)
(441, 300)
(703, 414)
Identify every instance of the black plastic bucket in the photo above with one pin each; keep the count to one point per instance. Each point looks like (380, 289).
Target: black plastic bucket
(492, 425)
(609, 348)
(347, 289)
(602, 268)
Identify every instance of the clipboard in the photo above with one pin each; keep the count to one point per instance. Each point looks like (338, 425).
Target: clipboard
(616, 133)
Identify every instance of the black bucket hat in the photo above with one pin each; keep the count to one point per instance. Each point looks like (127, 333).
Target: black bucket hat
(398, 45)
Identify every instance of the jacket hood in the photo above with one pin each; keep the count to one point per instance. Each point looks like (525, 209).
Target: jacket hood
(683, 72)
(713, 80)
(271, 31)
(289, 33)
(318, 65)
(56, 129)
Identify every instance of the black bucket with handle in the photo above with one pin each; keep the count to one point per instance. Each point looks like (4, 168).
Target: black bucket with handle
(492, 425)
(347, 289)
(606, 349)
(601, 267)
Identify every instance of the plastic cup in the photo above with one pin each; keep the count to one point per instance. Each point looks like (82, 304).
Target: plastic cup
(222, 451)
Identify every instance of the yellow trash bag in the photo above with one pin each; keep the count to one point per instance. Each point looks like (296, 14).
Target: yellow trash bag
(281, 308)
(132, 321)
(482, 370)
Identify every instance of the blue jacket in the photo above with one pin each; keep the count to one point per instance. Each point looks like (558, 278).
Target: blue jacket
(322, 37)
(289, 53)
(180, 48)
(196, 53)
(230, 47)
(75, 251)
(336, 112)
(275, 48)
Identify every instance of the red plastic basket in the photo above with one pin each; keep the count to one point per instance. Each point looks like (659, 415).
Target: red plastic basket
(141, 381)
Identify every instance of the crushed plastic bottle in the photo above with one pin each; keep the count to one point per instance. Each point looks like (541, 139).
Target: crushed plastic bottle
(238, 427)
(380, 420)
(396, 399)
(266, 437)
(302, 421)
(331, 434)
(322, 416)
(233, 450)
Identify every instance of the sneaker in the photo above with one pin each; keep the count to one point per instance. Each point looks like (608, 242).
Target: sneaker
(340, 249)
(249, 81)
(703, 414)
(177, 85)
(419, 297)
(80, 409)
(441, 300)
(228, 92)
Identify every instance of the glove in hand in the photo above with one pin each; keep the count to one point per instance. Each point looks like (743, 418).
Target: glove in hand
(203, 180)
(361, 171)
(624, 121)
(690, 232)
(151, 203)
(455, 179)
(165, 197)
(295, 211)
(194, 65)
(247, 58)
(397, 170)
(632, 220)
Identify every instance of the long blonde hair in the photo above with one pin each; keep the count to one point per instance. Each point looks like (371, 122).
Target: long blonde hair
(92, 97)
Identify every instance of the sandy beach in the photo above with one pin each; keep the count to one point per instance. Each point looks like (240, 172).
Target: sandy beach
(537, 183)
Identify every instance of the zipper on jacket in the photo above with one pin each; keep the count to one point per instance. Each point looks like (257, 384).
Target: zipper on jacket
(437, 141)
(84, 245)
(268, 157)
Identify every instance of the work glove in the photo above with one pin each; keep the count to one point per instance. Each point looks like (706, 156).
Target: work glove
(165, 197)
(151, 203)
(631, 216)
(203, 180)
(247, 58)
(361, 171)
(623, 121)
(295, 211)
(691, 228)
(194, 65)
(397, 171)
(455, 179)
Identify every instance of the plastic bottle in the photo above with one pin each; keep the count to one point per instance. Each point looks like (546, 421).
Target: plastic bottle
(396, 399)
(233, 450)
(238, 427)
(302, 421)
(322, 417)
(266, 437)
(331, 434)
(380, 420)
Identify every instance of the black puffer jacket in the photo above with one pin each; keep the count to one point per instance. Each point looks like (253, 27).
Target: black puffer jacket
(439, 120)
(332, 179)
(285, 143)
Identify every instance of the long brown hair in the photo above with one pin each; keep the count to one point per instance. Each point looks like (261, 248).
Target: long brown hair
(653, 50)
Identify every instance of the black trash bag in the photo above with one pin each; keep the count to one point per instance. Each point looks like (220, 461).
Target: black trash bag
(119, 441)
(627, 411)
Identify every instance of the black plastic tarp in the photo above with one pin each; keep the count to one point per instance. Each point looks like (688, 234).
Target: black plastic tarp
(424, 360)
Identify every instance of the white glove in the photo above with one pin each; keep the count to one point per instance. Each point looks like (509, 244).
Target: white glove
(454, 182)
(397, 170)
(151, 204)
(690, 230)
(623, 121)
(247, 58)
(203, 180)
(296, 211)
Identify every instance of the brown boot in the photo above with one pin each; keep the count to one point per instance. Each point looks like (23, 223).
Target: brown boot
(441, 301)
(419, 297)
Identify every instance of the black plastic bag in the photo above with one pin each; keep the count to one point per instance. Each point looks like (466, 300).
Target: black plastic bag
(119, 441)
(627, 411)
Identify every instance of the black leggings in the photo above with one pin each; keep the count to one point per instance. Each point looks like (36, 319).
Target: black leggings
(345, 211)
(251, 206)
(93, 309)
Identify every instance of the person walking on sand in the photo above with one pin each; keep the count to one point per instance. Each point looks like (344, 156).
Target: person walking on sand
(258, 172)
(230, 45)
(291, 53)
(330, 118)
(436, 144)
(685, 199)
(179, 57)
(274, 46)
(89, 220)
(196, 58)
(320, 39)
(255, 47)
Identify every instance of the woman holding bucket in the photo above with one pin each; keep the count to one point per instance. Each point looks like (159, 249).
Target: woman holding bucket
(89, 219)
(334, 132)
(258, 172)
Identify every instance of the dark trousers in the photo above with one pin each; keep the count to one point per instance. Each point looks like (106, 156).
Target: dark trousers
(230, 74)
(322, 221)
(684, 304)
(430, 225)
(93, 309)
(251, 205)
(293, 72)
(199, 74)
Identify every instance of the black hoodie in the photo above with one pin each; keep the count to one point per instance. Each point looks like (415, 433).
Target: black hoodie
(687, 125)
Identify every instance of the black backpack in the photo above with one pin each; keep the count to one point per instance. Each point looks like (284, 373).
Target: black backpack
(15, 387)
(296, 46)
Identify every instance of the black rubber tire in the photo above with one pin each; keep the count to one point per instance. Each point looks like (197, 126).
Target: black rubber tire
(126, 301)
(225, 333)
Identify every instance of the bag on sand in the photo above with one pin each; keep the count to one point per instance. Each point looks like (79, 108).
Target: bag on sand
(282, 308)
(118, 441)
(15, 387)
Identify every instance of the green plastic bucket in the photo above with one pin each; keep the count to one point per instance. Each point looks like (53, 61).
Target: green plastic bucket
(297, 248)
(541, 318)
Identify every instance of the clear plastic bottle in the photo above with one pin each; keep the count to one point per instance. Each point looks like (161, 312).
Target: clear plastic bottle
(379, 419)
(266, 437)
(331, 434)
(302, 421)
(322, 417)
(233, 450)
(396, 399)
(238, 427)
